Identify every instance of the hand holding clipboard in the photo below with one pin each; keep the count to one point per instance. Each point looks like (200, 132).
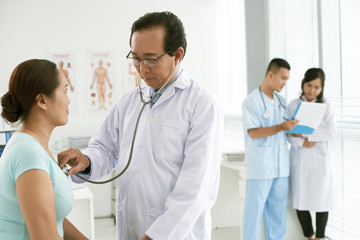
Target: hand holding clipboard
(309, 115)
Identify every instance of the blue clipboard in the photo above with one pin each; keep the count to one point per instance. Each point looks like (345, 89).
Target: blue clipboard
(300, 129)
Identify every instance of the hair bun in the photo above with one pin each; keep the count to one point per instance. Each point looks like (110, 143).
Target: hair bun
(11, 108)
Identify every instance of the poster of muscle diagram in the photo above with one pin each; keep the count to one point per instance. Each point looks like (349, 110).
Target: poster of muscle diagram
(131, 77)
(101, 81)
(65, 62)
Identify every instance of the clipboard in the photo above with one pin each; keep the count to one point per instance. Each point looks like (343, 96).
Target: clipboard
(310, 116)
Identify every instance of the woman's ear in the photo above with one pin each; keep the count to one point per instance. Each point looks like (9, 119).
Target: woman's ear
(41, 101)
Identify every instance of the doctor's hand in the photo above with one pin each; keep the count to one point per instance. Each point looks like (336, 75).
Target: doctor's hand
(308, 144)
(74, 157)
(145, 238)
(289, 124)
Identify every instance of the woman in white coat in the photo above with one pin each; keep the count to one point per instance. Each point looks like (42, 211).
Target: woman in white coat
(311, 183)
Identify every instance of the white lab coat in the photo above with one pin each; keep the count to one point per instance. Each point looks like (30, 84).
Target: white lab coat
(173, 178)
(311, 182)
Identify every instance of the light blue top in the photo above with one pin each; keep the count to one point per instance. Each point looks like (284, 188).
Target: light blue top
(265, 157)
(23, 153)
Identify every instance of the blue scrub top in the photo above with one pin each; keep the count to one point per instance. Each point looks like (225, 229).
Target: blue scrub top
(265, 157)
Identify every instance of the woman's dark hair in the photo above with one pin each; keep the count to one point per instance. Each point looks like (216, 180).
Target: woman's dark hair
(310, 75)
(175, 36)
(28, 79)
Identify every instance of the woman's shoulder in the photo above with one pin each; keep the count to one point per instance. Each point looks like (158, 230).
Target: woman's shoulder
(330, 105)
(24, 152)
(327, 101)
(294, 102)
(25, 142)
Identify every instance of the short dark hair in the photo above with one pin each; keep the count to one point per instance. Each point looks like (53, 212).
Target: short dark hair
(275, 65)
(28, 79)
(175, 36)
(312, 74)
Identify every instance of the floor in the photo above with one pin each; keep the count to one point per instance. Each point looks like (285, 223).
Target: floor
(105, 230)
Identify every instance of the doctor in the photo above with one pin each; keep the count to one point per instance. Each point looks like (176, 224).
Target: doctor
(173, 178)
(312, 184)
(267, 155)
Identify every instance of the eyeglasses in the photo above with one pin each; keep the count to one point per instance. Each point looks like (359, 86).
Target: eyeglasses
(150, 62)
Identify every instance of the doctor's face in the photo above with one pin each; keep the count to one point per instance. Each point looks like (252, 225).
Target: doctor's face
(279, 79)
(148, 44)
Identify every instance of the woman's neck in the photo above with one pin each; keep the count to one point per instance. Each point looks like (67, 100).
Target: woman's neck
(40, 132)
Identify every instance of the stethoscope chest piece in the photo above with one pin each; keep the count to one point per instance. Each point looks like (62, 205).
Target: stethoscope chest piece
(266, 115)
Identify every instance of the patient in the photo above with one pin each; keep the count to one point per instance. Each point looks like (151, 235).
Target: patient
(35, 195)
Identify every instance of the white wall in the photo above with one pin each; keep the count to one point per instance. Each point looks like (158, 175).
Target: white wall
(30, 29)
(257, 52)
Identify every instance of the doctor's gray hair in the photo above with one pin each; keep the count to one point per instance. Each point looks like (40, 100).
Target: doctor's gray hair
(175, 36)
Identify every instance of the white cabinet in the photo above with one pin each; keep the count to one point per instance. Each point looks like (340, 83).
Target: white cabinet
(102, 198)
(227, 209)
(82, 214)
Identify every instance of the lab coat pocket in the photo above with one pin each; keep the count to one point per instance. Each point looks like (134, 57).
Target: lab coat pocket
(151, 215)
(171, 140)
(120, 224)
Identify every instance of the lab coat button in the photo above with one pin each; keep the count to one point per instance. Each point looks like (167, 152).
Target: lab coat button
(134, 169)
(141, 144)
(149, 116)
(132, 229)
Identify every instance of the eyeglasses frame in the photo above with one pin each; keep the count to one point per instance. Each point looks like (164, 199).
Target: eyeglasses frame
(140, 60)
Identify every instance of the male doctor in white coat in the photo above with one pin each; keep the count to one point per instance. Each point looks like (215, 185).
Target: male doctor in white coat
(173, 178)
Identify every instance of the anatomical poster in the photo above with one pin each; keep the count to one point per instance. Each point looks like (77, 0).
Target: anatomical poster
(101, 81)
(65, 62)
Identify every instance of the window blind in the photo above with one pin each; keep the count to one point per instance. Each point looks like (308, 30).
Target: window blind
(317, 33)
(293, 35)
(344, 222)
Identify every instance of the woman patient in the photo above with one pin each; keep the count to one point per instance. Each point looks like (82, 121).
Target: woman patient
(35, 195)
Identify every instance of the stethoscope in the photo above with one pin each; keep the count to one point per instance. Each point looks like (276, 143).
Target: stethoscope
(266, 113)
(65, 169)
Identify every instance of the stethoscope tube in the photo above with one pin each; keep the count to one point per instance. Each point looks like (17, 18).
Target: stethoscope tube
(135, 130)
(130, 155)
(266, 113)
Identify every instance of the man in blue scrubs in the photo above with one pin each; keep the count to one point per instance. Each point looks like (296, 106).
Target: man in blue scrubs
(267, 154)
